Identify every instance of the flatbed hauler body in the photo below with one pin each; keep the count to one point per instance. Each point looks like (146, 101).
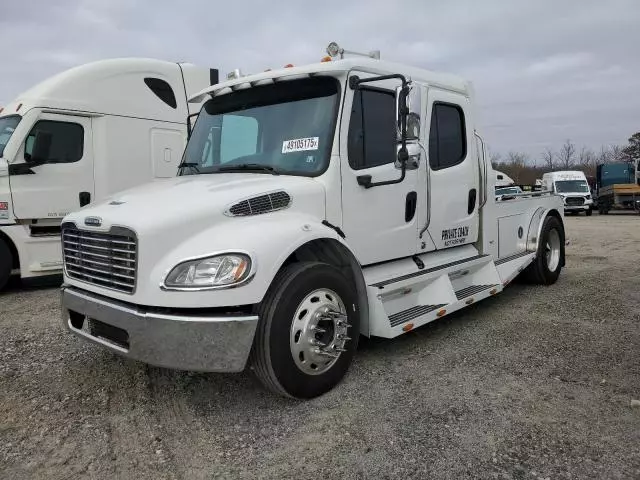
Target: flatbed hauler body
(320, 203)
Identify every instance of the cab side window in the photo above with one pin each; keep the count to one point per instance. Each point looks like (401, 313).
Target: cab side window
(372, 129)
(447, 136)
(58, 142)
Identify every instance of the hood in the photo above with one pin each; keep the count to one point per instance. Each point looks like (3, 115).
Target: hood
(192, 201)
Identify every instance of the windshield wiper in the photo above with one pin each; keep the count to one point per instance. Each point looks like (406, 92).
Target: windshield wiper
(190, 165)
(243, 167)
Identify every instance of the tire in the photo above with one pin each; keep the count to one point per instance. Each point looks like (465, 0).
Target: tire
(6, 264)
(540, 272)
(282, 330)
(589, 212)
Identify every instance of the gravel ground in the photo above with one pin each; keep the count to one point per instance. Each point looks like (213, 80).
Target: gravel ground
(535, 383)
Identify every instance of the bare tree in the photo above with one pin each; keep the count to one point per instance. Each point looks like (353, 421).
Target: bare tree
(517, 163)
(615, 153)
(548, 157)
(494, 157)
(604, 155)
(566, 155)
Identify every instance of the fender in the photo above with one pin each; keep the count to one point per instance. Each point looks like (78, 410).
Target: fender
(535, 228)
(268, 239)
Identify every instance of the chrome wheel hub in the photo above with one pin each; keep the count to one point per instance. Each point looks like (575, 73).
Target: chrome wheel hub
(319, 331)
(552, 250)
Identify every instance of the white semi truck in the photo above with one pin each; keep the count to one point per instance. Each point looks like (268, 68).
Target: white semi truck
(79, 136)
(319, 203)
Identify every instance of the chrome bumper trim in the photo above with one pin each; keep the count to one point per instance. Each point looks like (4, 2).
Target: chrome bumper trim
(207, 343)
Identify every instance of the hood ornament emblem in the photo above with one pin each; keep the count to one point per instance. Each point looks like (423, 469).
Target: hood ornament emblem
(93, 221)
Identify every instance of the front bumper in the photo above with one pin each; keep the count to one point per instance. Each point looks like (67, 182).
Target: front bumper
(196, 342)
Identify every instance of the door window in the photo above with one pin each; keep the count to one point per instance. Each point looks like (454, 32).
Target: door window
(372, 129)
(447, 137)
(66, 145)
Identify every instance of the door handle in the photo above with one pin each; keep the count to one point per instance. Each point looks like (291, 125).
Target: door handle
(410, 206)
(472, 201)
(84, 198)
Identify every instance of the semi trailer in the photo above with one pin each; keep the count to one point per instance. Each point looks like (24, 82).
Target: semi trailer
(79, 136)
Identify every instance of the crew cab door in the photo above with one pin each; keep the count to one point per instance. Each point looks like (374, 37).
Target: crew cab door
(453, 170)
(53, 176)
(379, 223)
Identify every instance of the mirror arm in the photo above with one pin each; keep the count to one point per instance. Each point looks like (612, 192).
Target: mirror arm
(403, 154)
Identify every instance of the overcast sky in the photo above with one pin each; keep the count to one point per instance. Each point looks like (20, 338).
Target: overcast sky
(544, 70)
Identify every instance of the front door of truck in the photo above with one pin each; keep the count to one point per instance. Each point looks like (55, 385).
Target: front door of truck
(380, 223)
(52, 172)
(453, 170)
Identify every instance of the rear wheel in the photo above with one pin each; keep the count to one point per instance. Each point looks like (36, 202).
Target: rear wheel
(308, 331)
(6, 263)
(549, 260)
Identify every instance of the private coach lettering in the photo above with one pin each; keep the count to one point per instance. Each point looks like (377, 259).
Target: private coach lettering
(454, 236)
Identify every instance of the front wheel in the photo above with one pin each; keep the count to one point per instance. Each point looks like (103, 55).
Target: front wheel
(549, 260)
(589, 212)
(308, 331)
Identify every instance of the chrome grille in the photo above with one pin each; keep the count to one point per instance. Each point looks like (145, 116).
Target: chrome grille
(574, 201)
(107, 259)
(261, 204)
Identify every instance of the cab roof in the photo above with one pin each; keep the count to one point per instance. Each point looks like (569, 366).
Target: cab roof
(334, 67)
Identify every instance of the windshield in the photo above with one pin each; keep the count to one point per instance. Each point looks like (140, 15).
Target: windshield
(508, 190)
(7, 126)
(572, 186)
(286, 127)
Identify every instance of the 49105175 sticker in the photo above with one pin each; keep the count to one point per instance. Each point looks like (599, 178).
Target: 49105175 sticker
(300, 144)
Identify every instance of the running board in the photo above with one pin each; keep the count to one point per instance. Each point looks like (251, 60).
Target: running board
(400, 303)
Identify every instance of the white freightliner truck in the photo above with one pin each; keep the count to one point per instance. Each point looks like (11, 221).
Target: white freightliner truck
(79, 136)
(320, 203)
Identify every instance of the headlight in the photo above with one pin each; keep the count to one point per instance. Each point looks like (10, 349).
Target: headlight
(222, 270)
(588, 197)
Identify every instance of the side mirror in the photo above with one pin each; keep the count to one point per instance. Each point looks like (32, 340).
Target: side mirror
(40, 148)
(414, 106)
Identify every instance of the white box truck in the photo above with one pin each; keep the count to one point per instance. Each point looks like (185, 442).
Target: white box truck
(574, 189)
(322, 202)
(79, 136)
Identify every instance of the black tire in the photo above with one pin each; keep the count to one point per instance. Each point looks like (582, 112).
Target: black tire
(589, 212)
(539, 272)
(6, 263)
(271, 356)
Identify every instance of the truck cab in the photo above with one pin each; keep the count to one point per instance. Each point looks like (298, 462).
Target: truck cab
(574, 189)
(80, 136)
(318, 203)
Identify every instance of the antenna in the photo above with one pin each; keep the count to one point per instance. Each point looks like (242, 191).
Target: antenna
(333, 49)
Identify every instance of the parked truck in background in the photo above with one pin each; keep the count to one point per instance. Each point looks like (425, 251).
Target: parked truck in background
(618, 186)
(302, 221)
(574, 189)
(79, 136)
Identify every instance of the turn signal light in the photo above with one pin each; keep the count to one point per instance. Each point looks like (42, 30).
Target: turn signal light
(325, 59)
(494, 291)
(288, 65)
(407, 327)
(441, 312)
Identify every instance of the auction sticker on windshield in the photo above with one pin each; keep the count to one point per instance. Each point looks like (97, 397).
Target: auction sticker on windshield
(300, 144)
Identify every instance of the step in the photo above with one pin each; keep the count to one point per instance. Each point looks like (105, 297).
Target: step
(472, 290)
(412, 313)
